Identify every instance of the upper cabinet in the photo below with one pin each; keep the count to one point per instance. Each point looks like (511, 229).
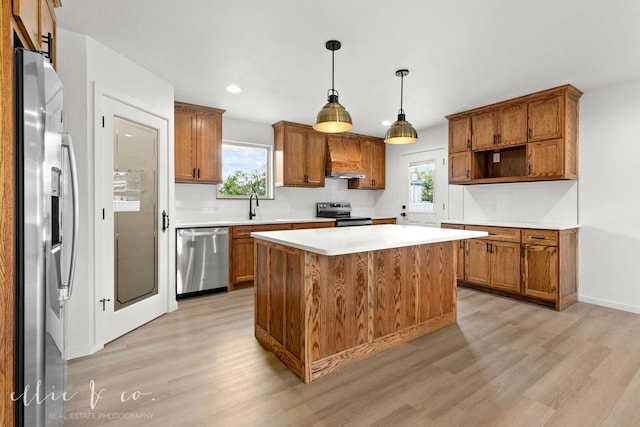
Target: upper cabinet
(530, 138)
(373, 164)
(198, 144)
(460, 135)
(35, 25)
(300, 155)
(303, 157)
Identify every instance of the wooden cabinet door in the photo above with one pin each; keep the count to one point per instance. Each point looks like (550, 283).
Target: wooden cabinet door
(48, 25)
(477, 262)
(294, 173)
(459, 167)
(209, 148)
(505, 265)
(378, 164)
(184, 145)
(546, 119)
(315, 158)
(541, 271)
(546, 158)
(512, 125)
(306, 225)
(366, 154)
(483, 130)
(27, 13)
(460, 135)
(242, 262)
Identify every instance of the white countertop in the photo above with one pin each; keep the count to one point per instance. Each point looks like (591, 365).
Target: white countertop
(514, 224)
(346, 240)
(231, 222)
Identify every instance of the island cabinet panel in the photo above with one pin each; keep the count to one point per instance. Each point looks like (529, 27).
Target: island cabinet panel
(441, 297)
(394, 290)
(319, 313)
(339, 314)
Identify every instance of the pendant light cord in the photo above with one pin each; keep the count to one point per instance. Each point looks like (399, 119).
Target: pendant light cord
(333, 55)
(401, 92)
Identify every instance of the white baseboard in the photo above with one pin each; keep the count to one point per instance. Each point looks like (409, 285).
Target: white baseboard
(74, 353)
(610, 304)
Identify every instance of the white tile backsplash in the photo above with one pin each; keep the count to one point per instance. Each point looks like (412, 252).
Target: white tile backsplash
(546, 202)
(197, 202)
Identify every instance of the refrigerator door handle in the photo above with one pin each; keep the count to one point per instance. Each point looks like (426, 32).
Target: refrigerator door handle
(65, 292)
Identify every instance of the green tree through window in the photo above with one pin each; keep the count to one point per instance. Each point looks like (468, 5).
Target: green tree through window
(421, 187)
(246, 168)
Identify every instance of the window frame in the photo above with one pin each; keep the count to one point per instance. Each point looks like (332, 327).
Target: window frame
(269, 185)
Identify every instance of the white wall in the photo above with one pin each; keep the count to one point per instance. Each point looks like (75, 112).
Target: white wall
(609, 197)
(81, 62)
(197, 202)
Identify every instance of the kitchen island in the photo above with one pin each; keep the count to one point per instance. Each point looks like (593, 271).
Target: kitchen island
(327, 297)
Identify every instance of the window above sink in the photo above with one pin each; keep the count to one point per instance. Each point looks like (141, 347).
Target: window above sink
(246, 167)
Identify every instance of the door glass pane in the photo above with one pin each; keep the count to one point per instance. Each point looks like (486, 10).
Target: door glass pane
(135, 190)
(421, 188)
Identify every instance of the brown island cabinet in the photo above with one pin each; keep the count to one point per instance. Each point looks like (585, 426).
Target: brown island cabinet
(325, 298)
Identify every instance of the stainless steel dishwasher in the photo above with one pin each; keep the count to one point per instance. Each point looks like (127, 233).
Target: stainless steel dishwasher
(202, 261)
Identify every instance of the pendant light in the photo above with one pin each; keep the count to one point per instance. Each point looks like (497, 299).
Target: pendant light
(333, 118)
(401, 132)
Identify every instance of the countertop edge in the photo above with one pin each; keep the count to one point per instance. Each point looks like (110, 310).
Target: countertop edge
(234, 223)
(511, 224)
(272, 236)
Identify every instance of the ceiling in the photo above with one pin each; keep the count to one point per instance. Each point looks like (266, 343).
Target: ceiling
(461, 53)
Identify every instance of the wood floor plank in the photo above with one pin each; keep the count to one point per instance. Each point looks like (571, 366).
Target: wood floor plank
(505, 363)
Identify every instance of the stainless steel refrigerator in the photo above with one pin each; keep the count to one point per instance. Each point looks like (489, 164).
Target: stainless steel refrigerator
(46, 227)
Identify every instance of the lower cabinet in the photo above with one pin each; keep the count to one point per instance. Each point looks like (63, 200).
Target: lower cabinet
(538, 266)
(379, 221)
(241, 252)
(241, 249)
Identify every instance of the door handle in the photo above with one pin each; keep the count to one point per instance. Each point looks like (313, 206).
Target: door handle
(104, 301)
(165, 221)
(67, 144)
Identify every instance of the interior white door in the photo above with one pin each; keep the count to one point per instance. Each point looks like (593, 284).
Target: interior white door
(132, 176)
(424, 184)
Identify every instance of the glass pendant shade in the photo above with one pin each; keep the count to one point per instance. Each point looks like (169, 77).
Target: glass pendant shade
(401, 131)
(333, 117)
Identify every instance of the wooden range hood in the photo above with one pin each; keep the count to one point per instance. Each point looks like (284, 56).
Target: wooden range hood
(344, 158)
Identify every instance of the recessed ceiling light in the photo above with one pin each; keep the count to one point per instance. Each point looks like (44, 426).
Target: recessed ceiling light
(128, 135)
(385, 123)
(233, 88)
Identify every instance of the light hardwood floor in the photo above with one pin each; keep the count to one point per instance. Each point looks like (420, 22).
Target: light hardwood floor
(505, 363)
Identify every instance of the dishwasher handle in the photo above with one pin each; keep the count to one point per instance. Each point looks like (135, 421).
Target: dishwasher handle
(208, 233)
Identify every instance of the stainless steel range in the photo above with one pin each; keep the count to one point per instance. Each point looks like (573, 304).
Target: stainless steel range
(341, 211)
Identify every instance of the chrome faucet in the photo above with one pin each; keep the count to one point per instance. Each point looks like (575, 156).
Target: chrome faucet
(252, 210)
